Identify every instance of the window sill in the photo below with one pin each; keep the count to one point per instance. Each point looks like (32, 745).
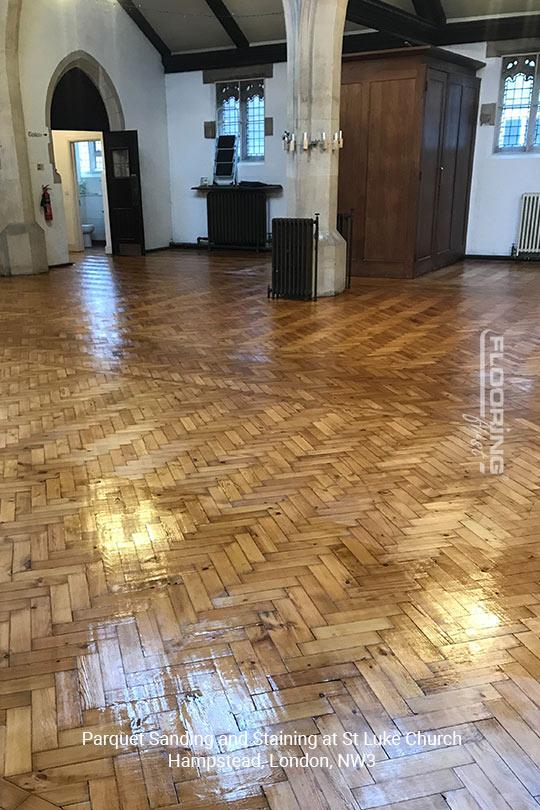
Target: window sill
(517, 154)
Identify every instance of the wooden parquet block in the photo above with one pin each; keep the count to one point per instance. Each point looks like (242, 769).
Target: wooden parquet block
(261, 524)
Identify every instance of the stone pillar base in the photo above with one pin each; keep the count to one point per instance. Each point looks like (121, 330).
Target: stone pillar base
(332, 277)
(22, 250)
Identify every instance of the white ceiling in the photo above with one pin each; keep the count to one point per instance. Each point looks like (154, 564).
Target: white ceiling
(189, 25)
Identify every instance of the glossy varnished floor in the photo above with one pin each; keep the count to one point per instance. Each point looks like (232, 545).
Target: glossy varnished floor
(221, 514)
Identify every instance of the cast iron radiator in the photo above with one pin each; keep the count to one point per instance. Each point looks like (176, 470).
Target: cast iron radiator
(236, 218)
(294, 258)
(345, 227)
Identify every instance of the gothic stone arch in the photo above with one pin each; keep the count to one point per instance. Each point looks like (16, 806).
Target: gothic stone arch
(100, 78)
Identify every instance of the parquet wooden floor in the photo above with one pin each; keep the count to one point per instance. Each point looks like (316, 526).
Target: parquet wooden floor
(222, 515)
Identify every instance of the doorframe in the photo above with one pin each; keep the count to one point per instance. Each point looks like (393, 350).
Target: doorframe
(106, 215)
(86, 135)
(77, 195)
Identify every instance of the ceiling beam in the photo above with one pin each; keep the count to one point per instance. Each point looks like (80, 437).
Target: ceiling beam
(265, 54)
(525, 26)
(376, 41)
(227, 21)
(142, 23)
(431, 10)
(391, 20)
(230, 57)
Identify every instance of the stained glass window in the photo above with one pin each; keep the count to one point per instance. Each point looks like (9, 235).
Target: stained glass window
(519, 124)
(228, 108)
(240, 111)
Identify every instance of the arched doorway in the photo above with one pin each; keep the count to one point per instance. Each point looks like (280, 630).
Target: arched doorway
(96, 157)
(78, 119)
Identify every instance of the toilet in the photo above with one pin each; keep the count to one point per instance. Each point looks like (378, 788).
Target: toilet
(87, 230)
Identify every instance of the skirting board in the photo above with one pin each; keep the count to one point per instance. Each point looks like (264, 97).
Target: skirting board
(155, 250)
(488, 258)
(204, 246)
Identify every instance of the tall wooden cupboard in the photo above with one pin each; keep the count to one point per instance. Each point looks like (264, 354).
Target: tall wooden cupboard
(409, 122)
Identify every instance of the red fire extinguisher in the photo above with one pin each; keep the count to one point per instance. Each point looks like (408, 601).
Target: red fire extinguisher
(46, 203)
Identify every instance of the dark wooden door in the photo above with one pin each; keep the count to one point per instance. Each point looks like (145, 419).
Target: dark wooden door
(430, 167)
(442, 233)
(124, 192)
(464, 165)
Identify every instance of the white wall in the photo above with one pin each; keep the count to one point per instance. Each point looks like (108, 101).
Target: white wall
(52, 29)
(56, 238)
(63, 162)
(189, 104)
(498, 180)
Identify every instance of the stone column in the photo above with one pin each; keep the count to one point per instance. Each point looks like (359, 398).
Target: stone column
(22, 240)
(314, 45)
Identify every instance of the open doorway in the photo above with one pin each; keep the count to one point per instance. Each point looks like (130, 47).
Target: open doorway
(80, 162)
(99, 169)
(88, 158)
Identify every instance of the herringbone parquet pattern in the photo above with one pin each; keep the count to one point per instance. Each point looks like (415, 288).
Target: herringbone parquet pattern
(220, 514)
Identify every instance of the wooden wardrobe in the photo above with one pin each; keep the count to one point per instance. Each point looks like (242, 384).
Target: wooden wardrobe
(409, 122)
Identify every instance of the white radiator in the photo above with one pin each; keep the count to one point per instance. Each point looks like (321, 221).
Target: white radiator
(529, 225)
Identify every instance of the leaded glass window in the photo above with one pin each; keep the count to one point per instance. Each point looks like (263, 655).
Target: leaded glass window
(519, 122)
(240, 111)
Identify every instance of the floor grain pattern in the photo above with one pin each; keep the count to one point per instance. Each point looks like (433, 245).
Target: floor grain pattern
(222, 514)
